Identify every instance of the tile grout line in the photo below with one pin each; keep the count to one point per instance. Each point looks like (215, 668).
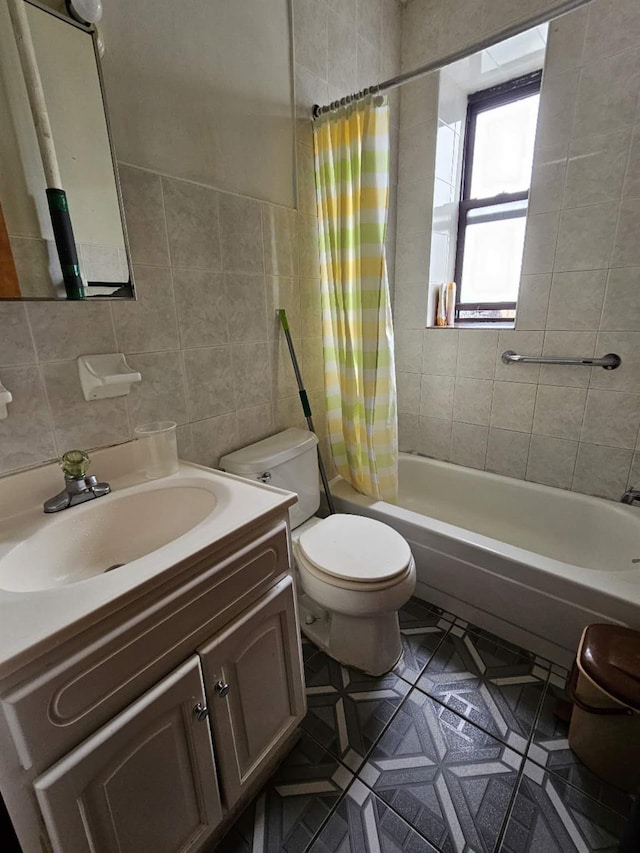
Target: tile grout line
(525, 758)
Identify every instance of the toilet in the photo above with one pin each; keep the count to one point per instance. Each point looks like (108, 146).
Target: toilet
(353, 573)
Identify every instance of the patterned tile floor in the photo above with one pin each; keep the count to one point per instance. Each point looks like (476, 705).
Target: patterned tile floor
(456, 751)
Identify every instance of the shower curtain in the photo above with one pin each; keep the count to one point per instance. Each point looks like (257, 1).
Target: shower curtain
(351, 149)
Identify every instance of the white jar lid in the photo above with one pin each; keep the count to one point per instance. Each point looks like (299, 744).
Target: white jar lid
(355, 548)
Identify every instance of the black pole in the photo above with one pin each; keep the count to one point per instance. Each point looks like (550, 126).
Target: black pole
(306, 407)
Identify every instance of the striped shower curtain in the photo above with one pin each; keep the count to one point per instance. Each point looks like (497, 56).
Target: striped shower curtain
(351, 149)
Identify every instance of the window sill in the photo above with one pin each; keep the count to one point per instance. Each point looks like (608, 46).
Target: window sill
(506, 325)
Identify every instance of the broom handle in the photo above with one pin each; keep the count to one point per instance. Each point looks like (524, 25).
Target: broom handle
(306, 407)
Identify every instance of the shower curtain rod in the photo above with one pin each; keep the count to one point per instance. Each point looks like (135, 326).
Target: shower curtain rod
(454, 56)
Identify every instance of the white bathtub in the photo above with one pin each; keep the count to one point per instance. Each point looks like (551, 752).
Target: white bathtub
(532, 563)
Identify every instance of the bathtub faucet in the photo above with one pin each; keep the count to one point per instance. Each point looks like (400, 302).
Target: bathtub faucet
(631, 497)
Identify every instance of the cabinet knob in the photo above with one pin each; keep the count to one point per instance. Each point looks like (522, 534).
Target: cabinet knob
(222, 688)
(200, 711)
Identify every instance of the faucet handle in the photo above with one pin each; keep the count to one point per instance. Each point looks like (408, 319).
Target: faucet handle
(75, 464)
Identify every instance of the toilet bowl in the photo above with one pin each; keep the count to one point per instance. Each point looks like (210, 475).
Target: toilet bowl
(353, 573)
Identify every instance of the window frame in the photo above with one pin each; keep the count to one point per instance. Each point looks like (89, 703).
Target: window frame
(479, 102)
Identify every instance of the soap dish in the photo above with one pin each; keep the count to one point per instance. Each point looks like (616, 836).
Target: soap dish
(103, 376)
(5, 397)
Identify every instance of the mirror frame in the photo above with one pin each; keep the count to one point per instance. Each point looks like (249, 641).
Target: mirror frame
(90, 30)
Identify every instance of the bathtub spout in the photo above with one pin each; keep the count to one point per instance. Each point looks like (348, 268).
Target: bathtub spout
(631, 497)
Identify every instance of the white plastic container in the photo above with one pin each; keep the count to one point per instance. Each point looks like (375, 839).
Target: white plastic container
(158, 449)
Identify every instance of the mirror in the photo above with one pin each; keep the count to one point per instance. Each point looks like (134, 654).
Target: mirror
(45, 252)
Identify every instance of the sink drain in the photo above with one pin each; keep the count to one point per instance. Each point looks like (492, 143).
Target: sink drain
(111, 568)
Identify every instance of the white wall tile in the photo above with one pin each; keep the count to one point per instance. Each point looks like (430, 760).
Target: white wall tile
(556, 111)
(602, 471)
(627, 376)
(551, 461)
(408, 385)
(240, 222)
(621, 309)
(608, 94)
(602, 38)
(507, 452)
(512, 407)
(540, 243)
(436, 396)
(472, 401)
(407, 432)
(192, 224)
(611, 418)
(440, 351)
(26, 437)
(434, 438)
(566, 42)
(410, 307)
(144, 211)
(533, 301)
(201, 307)
(161, 395)
(631, 188)
(408, 351)
(477, 353)
(209, 378)
(559, 411)
(149, 324)
(16, 343)
(576, 300)
(596, 168)
(469, 445)
(626, 250)
(76, 422)
(585, 237)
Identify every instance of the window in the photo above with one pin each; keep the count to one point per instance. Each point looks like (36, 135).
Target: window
(498, 157)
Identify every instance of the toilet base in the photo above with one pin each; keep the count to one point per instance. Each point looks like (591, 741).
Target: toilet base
(370, 643)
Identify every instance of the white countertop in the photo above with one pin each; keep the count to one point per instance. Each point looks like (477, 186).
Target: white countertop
(34, 621)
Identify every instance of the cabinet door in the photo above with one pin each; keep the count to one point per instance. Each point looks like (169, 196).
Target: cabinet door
(145, 781)
(254, 683)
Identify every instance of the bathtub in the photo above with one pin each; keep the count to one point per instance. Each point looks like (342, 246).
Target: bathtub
(531, 563)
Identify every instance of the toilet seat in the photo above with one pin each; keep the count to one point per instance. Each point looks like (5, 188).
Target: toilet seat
(354, 552)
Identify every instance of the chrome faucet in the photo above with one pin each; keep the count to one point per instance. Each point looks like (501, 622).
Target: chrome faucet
(78, 485)
(631, 497)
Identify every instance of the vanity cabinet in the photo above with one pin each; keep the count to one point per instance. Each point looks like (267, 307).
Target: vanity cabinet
(254, 689)
(146, 781)
(154, 731)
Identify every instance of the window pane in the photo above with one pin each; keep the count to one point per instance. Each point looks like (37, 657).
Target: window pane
(503, 149)
(492, 261)
(508, 210)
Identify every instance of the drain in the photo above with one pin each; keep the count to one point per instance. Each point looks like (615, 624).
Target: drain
(111, 568)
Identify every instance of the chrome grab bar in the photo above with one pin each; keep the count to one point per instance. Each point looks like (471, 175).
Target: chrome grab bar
(609, 361)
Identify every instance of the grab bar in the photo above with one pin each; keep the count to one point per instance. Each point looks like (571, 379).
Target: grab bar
(609, 361)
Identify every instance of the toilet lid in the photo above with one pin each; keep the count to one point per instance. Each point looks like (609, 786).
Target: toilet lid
(355, 548)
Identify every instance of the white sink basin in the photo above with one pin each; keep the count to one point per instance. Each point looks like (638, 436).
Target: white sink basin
(104, 535)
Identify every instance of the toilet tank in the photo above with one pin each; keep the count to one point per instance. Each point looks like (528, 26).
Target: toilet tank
(290, 457)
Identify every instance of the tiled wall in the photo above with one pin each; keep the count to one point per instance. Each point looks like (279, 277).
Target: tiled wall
(210, 269)
(580, 294)
(341, 46)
